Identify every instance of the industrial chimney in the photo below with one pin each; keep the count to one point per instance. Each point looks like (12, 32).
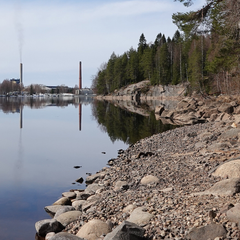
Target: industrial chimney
(80, 75)
(21, 76)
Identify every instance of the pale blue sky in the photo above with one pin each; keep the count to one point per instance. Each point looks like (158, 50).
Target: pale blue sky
(50, 37)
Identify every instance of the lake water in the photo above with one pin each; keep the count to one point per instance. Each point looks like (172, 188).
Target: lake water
(37, 160)
(42, 141)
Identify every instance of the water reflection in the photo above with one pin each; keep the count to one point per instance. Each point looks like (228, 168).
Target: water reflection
(16, 105)
(126, 126)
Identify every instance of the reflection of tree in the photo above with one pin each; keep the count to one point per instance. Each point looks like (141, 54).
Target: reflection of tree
(126, 126)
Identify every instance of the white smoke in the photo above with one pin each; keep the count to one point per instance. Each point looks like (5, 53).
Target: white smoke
(19, 26)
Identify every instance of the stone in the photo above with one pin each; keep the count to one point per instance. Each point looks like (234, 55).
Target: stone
(228, 170)
(183, 104)
(65, 236)
(68, 217)
(91, 189)
(231, 133)
(49, 235)
(233, 214)
(63, 201)
(93, 229)
(69, 194)
(140, 217)
(121, 185)
(207, 232)
(227, 187)
(92, 178)
(149, 179)
(128, 208)
(48, 225)
(127, 231)
(82, 196)
(226, 108)
(78, 204)
(64, 209)
(51, 210)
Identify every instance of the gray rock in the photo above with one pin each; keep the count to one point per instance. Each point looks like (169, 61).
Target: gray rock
(149, 179)
(63, 201)
(127, 231)
(93, 229)
(231, 133)
(64, 209)
(48, 225)
(208, 232)
(227, 187)
(228, 170)
(51, 210)
(69, 194)
(233, 214)
(78, 204)
(91, 189)
(65, 236)
(121, 185)
(226, 108)
(68, 217)
(139, 216)
(82, 196)
(92, 178)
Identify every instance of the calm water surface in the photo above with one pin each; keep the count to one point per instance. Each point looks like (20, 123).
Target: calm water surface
(37, 160)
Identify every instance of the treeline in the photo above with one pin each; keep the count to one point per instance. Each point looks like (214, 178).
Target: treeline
(205, 53)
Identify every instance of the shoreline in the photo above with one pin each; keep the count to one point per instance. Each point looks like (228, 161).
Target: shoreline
(161, 184)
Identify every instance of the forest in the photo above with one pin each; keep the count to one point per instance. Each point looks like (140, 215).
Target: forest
(203, 52)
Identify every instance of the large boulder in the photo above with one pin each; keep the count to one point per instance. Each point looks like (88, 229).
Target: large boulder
(139, 216)
(211, 231)
(68, 217)
(127, 231)
(121, 185)
(69, 194)
(78, 204)
(228, 170)
(227, 187)
(93, 229)
(226, 108)
(48, 225)
(64, 209)
(51, 210)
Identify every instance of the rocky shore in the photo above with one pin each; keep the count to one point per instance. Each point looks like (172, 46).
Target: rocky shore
(180, 184)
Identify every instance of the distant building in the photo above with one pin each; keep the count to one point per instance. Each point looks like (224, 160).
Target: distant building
(14, 80)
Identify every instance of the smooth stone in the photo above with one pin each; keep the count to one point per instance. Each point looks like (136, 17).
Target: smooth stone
(68, 217)
(69, 194)
(65, 236)
(48, 225)
(128, 208)
(233, 214)
(149, 180)
(227, 187)
(82, 196)
(228, 170)
(208, 232)
(64, 209)
(127, 231)
(93, 229)
(51, 210)
(78, 204)
(63, 201)
(91, 189)
(121, 185)
(139, 217)
(92, 178)
(49, 235)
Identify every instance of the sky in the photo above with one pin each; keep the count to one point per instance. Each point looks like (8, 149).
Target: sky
(51, 37)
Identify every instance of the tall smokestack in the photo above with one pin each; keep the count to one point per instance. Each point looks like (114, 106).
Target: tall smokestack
(80, 75)
(21, 76)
